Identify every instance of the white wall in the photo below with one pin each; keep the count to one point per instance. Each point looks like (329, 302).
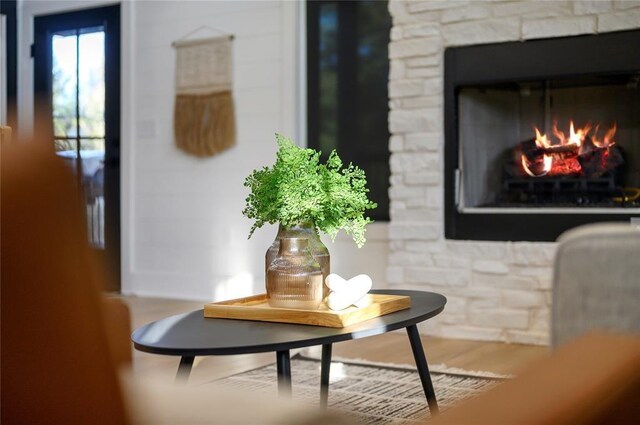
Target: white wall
(188, 237)
(183, 233)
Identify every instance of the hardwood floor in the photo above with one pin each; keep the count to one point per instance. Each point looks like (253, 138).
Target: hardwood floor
(389, 348)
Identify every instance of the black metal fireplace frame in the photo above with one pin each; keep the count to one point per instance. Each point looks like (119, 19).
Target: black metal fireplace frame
(609, 53)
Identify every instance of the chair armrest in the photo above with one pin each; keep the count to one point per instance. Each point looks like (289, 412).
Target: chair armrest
(118, 323)
(592, 380)
(5, 135)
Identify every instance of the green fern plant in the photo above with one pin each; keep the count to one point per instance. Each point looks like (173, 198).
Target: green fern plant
(298, 187)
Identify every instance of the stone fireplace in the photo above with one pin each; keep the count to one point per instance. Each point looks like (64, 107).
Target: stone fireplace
(497, 290)
(541, 135)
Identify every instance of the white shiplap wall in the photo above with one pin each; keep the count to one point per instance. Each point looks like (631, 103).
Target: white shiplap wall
(188, 238)
(183, 234)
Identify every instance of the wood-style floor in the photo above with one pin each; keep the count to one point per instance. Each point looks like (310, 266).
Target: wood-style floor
(389, 348)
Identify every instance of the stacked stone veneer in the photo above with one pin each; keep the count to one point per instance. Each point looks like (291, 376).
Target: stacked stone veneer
(495, 290)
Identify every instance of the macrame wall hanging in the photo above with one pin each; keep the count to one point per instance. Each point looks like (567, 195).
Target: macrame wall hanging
(204, 118)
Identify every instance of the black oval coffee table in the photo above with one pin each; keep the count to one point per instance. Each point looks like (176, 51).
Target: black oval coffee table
(191, 334)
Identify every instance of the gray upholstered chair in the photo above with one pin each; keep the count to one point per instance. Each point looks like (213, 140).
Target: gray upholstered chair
(596, 282)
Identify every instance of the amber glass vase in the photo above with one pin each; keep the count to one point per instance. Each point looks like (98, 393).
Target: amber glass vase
(294, 277)
(305, 230)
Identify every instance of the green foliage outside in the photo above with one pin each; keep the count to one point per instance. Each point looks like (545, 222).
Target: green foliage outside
(300, 188)
(89, 82)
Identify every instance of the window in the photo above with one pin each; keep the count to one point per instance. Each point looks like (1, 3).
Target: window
(348, 73)
(78, 91)
(78, 113)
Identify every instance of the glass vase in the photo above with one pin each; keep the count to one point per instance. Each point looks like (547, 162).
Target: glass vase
(294, 277)
(305, 230)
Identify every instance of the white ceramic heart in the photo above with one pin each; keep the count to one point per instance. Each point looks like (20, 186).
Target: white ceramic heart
(335, 282)
(345, 293)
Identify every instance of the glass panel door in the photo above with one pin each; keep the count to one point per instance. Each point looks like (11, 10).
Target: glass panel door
(78, 115)
(77, 107)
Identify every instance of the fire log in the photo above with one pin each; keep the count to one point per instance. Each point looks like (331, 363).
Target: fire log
(599, 161)
(532, 150)
(561, 149)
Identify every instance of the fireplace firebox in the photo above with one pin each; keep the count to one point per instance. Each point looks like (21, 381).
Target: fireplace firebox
(541, 136)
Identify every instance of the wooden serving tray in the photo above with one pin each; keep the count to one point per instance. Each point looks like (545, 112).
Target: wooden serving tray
(257, 308)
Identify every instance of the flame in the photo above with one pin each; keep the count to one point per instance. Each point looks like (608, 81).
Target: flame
(566, 163)
(547, 161)
(559, 134)
(541, 140)
(576, 137)
(607, 140)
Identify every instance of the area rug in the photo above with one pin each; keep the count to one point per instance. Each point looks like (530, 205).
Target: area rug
(370, 393)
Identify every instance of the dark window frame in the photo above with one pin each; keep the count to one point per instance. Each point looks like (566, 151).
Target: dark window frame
(347, 100)
(9, 9)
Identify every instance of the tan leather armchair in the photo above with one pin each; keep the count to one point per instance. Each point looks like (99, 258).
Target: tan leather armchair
(63, 343)
(5, 135)
(57, 363)
(593, 380)
(118, 324)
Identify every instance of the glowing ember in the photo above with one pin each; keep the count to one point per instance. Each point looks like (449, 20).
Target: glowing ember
(562, 156)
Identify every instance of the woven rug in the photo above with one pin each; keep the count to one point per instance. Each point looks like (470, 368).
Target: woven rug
(370, 393)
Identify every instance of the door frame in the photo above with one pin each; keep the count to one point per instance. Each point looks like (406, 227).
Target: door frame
(8, 8)
(44, 27)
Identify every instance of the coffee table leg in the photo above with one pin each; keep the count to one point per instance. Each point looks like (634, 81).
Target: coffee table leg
(423, 369)
(325, 370)
(184, 369)
(283, 362)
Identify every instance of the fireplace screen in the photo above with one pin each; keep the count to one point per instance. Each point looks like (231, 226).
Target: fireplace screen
(553, 143)
(541, 136)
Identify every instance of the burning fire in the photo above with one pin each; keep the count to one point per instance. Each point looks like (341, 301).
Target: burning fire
(562, 157)
(607, 140)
